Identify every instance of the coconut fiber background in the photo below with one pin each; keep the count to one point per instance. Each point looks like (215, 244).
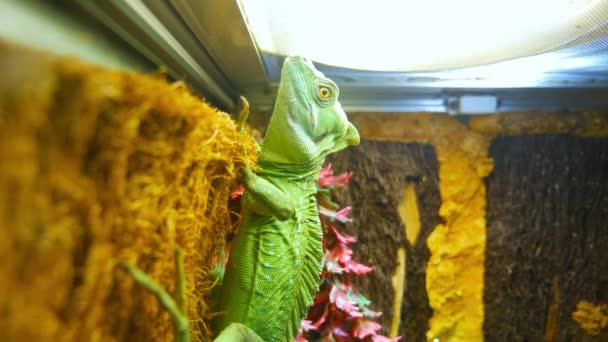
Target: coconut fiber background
(98, 166)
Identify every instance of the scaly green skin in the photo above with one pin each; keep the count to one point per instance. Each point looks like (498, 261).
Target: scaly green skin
(274, 267)
(275, 262)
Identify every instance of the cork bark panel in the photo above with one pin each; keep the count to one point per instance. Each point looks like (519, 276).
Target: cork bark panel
(382, 170)
(547, 211)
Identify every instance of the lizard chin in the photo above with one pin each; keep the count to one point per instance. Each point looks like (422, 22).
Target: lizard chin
(352, 135)
(329, 144)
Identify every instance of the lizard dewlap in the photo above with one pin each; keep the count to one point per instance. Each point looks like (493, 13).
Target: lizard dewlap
(275, 263)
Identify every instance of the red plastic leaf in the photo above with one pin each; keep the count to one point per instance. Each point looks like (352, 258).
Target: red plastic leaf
(327, 179)
(342, 215)
(338, 331)
(322, 297)
(380, 338)
(339, 180)
(342, 253)
(238, 192)
(320, 322)
(332, 263)
(364, 328)
(306, 325)
(338, 307)
(356, 268)
(325, 176)
(330, 214)
(343, 178)
(333, 215)
(342, 302)
(345, 239)
(326, 171)
(371, 313)
(357, 297)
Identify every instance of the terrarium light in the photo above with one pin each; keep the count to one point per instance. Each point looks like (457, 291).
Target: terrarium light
(520, 72)
(418, 35)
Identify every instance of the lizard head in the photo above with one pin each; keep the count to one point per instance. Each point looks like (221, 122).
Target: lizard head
(308, 121)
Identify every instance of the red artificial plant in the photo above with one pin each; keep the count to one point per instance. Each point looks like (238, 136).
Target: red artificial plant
(339, 312)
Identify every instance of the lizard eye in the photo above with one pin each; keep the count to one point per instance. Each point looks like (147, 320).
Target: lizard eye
(325, 92)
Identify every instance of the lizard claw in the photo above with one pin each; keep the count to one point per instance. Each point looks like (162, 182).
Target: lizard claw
(242, 120)
(243, 115)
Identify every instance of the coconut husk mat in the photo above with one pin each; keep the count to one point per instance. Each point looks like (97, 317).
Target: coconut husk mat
(100, 166)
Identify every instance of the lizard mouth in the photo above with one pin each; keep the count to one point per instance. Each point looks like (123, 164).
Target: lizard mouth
(352, 135)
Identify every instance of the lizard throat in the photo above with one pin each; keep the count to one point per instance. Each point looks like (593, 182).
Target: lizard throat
(308, 171)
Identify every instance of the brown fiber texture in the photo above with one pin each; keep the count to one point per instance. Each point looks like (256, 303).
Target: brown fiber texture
(99, 166)
(547, 213)
(381, 172)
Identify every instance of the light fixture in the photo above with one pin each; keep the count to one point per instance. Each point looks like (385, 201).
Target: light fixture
(418, 35)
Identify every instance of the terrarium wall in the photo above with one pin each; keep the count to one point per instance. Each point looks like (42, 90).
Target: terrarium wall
(491, 228)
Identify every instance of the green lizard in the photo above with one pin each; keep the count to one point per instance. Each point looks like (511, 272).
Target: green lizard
(274, 267)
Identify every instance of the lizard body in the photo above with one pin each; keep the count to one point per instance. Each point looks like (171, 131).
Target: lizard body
(275, 263)
(274, 268)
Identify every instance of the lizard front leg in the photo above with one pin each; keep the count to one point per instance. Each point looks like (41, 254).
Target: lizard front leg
(262, 196)
(265, 198)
